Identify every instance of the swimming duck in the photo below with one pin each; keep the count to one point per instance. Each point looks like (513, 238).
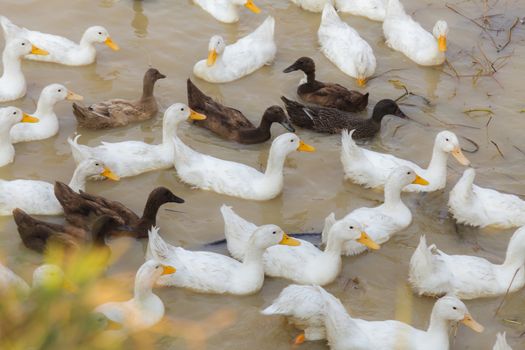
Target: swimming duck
(47, 125)
(312, 5)
(208, 272)
(332, 121)
(371, 169)
(42, 275)
(432, 272)
(130, 158)
(61, 50)
(501, 342)
(79, 207)
(305, 264)
(236, 179)
(145, 309)
(342, 45)
(230, 123)
(482, 207)
(37, 197)
(228, 63)
(9, 117)
(385, 220)
(326, 94)
(118, 112)
(226, 11)
(404, 34)
(371, 9)
(13, 82)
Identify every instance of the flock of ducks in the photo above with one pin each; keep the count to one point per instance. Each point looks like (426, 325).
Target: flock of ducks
(255, 250)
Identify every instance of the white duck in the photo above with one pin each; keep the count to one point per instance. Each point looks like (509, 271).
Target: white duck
(208, 272)
(61, 50)
(236, 179)
(371, 169)
(342, 45)
(305, 264)
(130, 158)
(47, 274)
(38, 197)
(385, 220)
(47, 125)
(9, 117)
(312, 5)
(482, 207)
(226, 11)
(145, 309)
(13, 82)
(432, 272)
(501, 342)
(371, 9)
(404, 34)
(232, 62)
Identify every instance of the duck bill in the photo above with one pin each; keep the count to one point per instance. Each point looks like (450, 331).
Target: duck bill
(304, 147)
(252, 7)
(111, 44)
(107, 173)
(196, 116)
(168, 270)
(71, 96)
(442, 43)
(26, 118)
(287, 240)
(361, 82)
(212, 57)
(399, 113)
(420, 181)
(460, 157)
(38, 51)
(368, 242)
(113, 326)
(286, 124)
(472, 324)
(290, 69)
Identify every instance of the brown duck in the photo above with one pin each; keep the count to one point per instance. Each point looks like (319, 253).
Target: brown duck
(230, 123)
(80, 208)
(332, 121)
(118, 112)
(326, 94)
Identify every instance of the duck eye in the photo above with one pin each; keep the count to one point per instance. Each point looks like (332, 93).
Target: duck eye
(97, 164)
(15, 113)
(351, 227)
(156, 267)
(447, 140)
(291, 140)
(99, 33)
(59, 90)
(23, 44)
(409, 173)
(274, 232)
(455, 308)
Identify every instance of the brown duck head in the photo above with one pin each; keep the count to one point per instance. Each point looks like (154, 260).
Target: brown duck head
(306, 64)
(150, 78)
(275, 114)
(156, 199)
(386, 107)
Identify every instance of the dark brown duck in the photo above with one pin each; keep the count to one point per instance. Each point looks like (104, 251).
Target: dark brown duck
(326, 94)
(332, 121)
(230, 123)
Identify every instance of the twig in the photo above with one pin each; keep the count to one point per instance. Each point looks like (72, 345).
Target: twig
(385, 72)
(507, 292)
(509, 39)
(516, 147)
(473, 143)
(497, 147)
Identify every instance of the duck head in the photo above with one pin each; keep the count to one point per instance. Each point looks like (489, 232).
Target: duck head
(94, 167)
(152, 75)
(387, 107)
(215, 49)
(290, 142)
(275, 114)
(448, 142)
(10, 116)
(54, 93)
(306, 64)
(269, 235)
(452, 309)
(351, 230)
(178, 113)
(19, 47)
(440, 32)
(98, 34)
(405, 176)
(149, 273)
(51, 277)
(363, 69)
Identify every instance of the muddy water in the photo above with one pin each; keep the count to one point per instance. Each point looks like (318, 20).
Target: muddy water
(173, 35)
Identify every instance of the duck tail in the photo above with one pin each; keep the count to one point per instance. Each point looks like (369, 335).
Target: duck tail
(329, 15)
(196, 98)
(328, 223)
(420, 262)
(395, 8)
(297, 113)
(9, 28)
(362, 102)
(284, 304)
(157, 248)
(76, 149)
(237, 231)
(350, 151)
(501, 342)
(337, 319)
(267, 28)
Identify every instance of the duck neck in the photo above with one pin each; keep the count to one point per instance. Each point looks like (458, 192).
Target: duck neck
(438, 327)
(515, 257)
(147, 88)
(253, 255)
(310, 76)
(85, 42)
(143, 290)
(12, 66)
(275, 163)
(78, 181)
(169, 131)
(393, 190)
(438, 164)
(334, 245)
(45, 107)
(149, 215)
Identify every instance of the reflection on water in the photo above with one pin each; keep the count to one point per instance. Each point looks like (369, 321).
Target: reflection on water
(140, 20)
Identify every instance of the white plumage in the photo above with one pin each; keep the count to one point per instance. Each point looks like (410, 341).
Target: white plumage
(501, 342)
(44, 275)
(226, 10)
(312, 5)
(10, 117)
(372, 9)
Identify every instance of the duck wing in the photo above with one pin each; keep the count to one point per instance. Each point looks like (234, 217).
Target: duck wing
(337, 96)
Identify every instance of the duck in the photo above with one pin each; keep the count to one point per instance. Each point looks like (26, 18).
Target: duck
(79, 208)
(47, 125)
(433, 272)
(119, 112)
(230, 123)
(208, 272)
(383, 221)
(371, 169)
(407, 36)
(9, 117)
(226, 11)
(145, 309)
(333, 121)
(61, 50)
(482, 207)
(131, 158)
(228, 63)
(37, 197)
(13, 82)
(501, 342)
(371, 9)
(305, 264)
(329, 95)
(236, 179)
(322, 315)
(42, 276)
(343, 46)
(312, 5)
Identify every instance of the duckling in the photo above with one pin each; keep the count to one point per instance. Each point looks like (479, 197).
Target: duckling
(42, 276)
(9, 117)
(433, 272)
(145, 309)
(61, 50)
(326, 94)
(226, 10)
(118, 112)
(333, 121)
(47, 125)
(371, 9)
(13, 82)
(208, 272)
(501, 342)
(230, 123)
